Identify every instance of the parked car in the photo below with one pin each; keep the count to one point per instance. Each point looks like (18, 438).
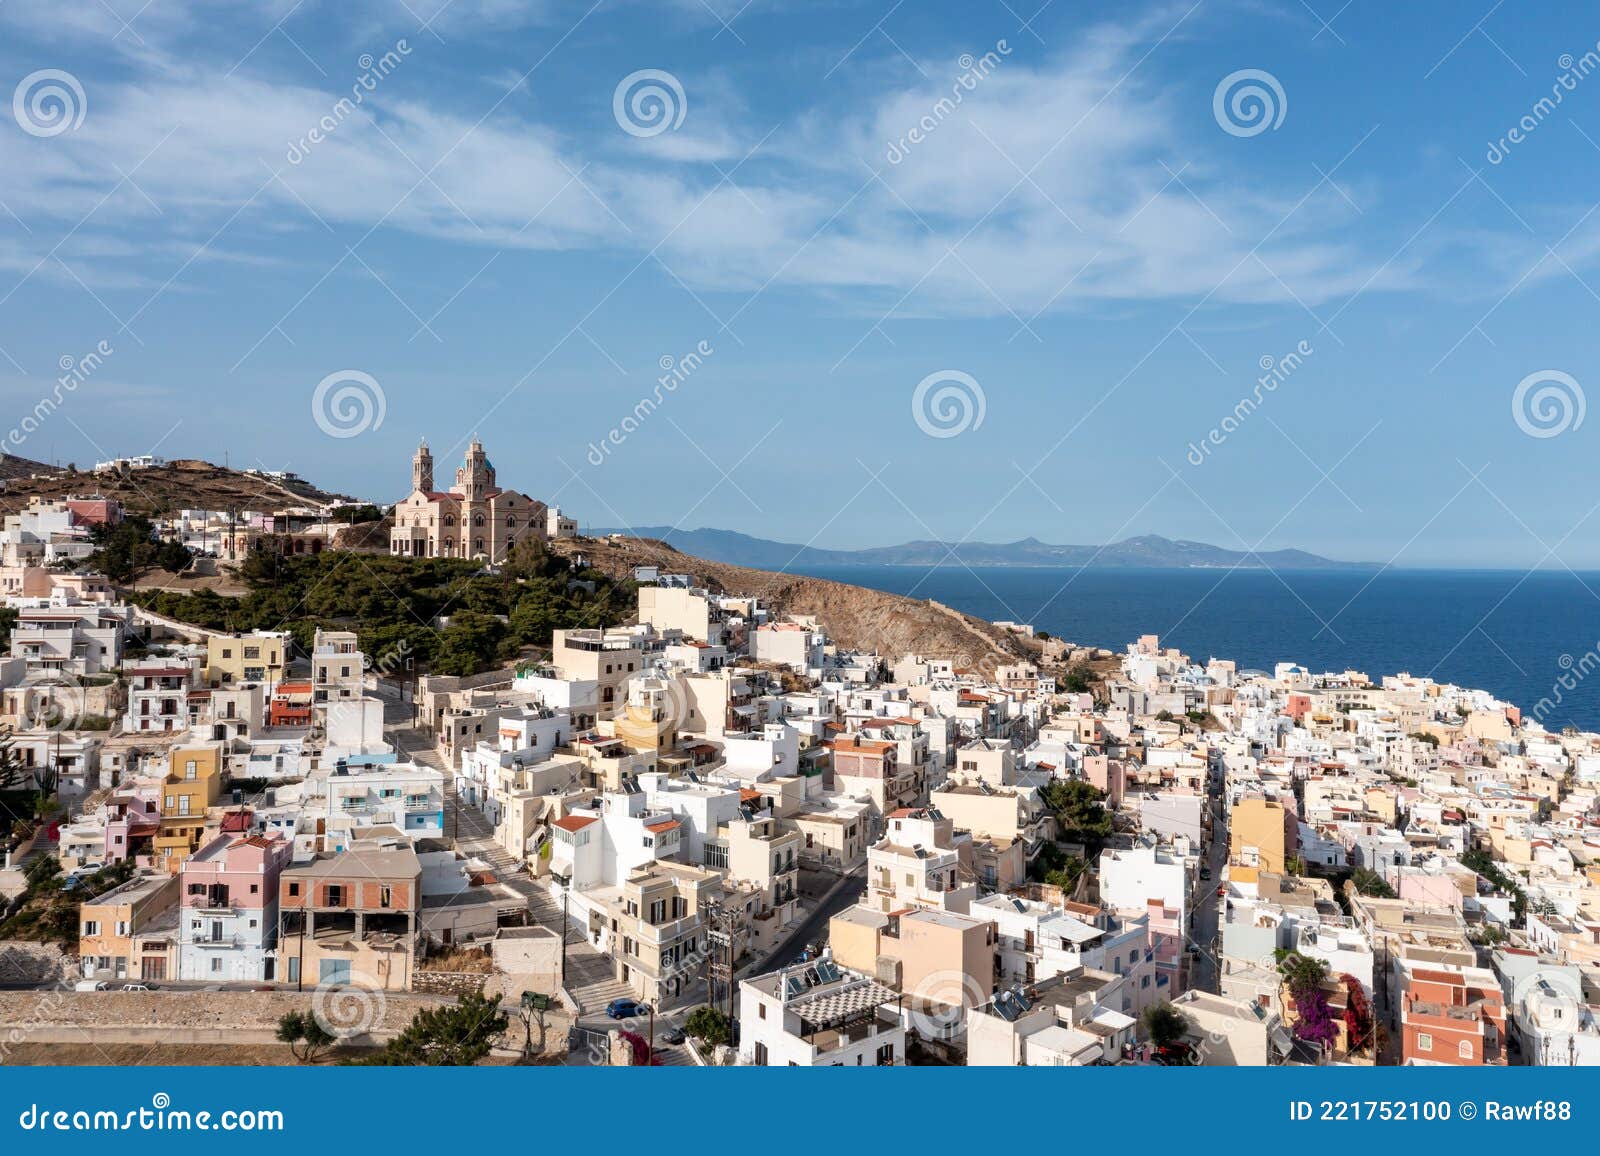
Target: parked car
(623, 1009)
(91, 985)
(138, 987)
(671, 1034)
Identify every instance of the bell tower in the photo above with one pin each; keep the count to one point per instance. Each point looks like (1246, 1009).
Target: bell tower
(475, 477)
(422, 468)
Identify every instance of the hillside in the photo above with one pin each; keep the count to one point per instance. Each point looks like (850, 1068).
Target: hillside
(12, 467)
(1149, 550)
(184, 484)
(853, 616)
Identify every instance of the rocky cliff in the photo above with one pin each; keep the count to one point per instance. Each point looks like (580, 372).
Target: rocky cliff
(854, 616)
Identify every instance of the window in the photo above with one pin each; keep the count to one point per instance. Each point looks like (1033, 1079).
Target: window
(189, 769)
(91, 927)
(1465, 1051)
(1424, 1042)
(761, 1011)
(294, 891)
(216, 965)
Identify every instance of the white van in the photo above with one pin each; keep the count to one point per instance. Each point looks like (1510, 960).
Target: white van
(91, 985)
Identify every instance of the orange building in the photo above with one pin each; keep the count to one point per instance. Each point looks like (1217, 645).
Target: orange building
(1451, 1015)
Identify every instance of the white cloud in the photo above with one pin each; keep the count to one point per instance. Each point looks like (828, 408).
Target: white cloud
(1042, 173)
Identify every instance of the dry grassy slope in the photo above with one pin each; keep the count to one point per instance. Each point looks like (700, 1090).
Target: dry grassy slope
(853, 616)
(189, 484)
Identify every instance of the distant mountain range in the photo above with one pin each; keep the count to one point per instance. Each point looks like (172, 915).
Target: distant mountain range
(735, 549)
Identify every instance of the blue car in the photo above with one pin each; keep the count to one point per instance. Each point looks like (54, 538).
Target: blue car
(624, 1009)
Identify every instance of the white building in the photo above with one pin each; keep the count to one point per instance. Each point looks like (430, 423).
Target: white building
(819, 1015)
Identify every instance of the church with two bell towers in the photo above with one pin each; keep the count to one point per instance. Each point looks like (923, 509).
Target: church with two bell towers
(473, 519)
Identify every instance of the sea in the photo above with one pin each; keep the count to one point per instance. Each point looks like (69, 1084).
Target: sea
(1531, 639)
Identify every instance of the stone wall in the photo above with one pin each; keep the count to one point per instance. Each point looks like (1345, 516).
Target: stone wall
(32, 963)
(448, 982)
(360, 1018)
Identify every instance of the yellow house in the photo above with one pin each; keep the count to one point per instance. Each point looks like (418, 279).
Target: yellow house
(1256, 839)
(258, 657)
(192, 787)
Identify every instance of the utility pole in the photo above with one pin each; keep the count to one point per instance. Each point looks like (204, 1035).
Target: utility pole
(566, 894)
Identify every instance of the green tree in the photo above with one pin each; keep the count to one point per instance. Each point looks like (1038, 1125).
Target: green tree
(1300, 972)
(457, 1035)
(1166, 1026)
(1368, 882)
(1078, 679)
(1080, 810)
(12, 773)
(124, 550)
(708, 1025)
(305, 1035)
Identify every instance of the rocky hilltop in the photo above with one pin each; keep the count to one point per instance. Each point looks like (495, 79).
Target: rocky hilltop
(187, 483)
(853, 616)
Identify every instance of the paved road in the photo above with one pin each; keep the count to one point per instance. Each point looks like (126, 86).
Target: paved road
(1204, 971)
(815, 925)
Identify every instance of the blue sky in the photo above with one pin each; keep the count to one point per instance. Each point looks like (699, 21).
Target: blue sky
(1081, 236)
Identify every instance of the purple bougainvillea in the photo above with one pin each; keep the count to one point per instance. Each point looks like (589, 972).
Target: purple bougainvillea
(1316, 1018)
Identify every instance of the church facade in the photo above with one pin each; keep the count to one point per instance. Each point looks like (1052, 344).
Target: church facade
(474, 518)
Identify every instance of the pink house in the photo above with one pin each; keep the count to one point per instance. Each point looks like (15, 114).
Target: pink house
(1167, 939)
(228, 919)
(1427, 890)
(1109, 775)
(132, 819)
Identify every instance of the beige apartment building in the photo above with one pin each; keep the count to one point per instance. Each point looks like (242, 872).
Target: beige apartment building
(943, 963)
(109, 924)
(607, 657)
(765, 857)
(351, 919)
(261, 656)
(653, 927)
(917, 864)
